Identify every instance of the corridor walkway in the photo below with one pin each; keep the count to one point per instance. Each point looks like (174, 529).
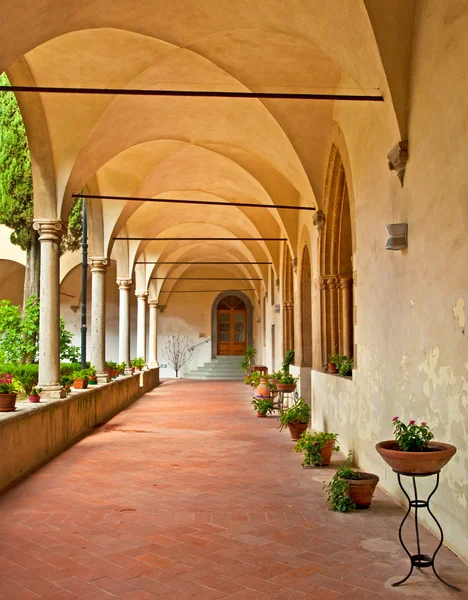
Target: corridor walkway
(188, 495)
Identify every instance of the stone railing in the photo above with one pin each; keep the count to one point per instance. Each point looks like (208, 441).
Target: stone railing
(35, 433)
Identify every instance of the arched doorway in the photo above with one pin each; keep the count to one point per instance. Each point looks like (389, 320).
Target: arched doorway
(231, 324)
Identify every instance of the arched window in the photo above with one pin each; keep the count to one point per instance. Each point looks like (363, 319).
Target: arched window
(336, 264)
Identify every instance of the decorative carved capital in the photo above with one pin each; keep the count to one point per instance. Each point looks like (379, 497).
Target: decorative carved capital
(50, 230)
(98, 264)
(288, 305)
(319, 220)
(345, 281)
(124, 284)
(397, 159)
(153, 303)
(141, 294)
(331, 282)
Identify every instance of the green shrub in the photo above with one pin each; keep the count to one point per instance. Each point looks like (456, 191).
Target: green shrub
(312, 444)
(299, 412)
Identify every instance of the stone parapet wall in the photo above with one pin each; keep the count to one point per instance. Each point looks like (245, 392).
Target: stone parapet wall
(35, 433)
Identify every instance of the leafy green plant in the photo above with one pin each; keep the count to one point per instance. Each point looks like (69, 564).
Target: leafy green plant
(138, 363)
(254, 379)
(81, 374)
(312, 444)
(91, 372)
(299, 412)
(264, 406)
(288, 379)
(28, 376)
(287, 360)
(35, 391)
(66, 381)
(121, 368)
(338, 488)
(346, 366)
(276, 375)
(334, 359)
(247, 362)
(412, 437)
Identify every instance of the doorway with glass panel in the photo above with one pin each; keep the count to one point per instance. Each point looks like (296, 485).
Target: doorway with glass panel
(232, 326)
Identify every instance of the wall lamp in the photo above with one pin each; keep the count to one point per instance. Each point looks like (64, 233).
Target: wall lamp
(397, 236)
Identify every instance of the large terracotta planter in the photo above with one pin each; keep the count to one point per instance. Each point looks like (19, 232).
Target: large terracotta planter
(286, 387)
(296, 430)
(7, 402)
(362, 490)
(416, 463)
(327, 452)
(80, 384)
(263, 389)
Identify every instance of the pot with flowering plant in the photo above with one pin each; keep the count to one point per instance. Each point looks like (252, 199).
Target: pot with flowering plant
(412, 452)
(8, 393)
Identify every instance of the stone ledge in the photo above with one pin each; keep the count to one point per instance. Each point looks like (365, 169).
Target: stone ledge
(35, 433)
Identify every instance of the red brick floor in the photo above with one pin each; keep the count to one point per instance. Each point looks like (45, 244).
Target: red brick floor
(188, 495)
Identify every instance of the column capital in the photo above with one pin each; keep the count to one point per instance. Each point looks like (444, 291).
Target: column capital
(50, 229)
(124, 284)
(346, 281)
(98, 264)
(153, 303)
(141, 294)
(331, 281)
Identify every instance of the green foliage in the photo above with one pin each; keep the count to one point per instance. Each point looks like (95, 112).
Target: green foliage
(263, 405)
(412, 437)
(16, 187)
(312, 444)
(80, 374)
(66, 369)
(27, 375)
(299, 412)
(121, 368)
(288, 379)
(19, 340)
(344, 365)
(72, 240)
(338, 488)
(247, 362)
(334, 359)
(138, 363)
(7, 384)
(254, 379)
(287, 360)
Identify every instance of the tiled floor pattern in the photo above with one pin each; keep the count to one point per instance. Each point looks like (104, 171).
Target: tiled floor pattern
(187, 495)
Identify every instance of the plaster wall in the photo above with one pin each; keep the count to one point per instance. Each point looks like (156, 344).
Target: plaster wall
(412, 346)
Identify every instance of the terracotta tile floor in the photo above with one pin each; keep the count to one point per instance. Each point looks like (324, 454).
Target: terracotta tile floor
(188, 495)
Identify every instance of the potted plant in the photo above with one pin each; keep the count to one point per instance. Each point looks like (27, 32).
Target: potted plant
(8, 393)
(121, 368)
(345, 366)
(287, 383)
(296, 418)
(34, 395)
(412, 452)
(333, 363)
(253, 379)
(66, 381)
(287, 361)
(317, 448)
(138, 363)
(350, 488)
(92, 375)
(263, 406)
(263, 388)
(80, 379)
(247, 362)
(273, 380)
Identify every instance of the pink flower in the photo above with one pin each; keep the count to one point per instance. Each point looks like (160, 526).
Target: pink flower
(395, 419)
(412, 422)
(424, 424)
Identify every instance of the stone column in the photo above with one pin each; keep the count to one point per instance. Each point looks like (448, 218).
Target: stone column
(98, 315)
(141, 323)
(332, 286)
(153, 334)
(50, 235)
(124, 323)
(346, 304)
(323, 320)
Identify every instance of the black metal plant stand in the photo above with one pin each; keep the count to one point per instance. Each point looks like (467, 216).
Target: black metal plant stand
(420, 560)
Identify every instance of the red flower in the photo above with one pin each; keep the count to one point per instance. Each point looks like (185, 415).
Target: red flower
(412, 422)
(395, 419)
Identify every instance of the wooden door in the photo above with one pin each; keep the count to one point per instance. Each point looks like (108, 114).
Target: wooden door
(232, 327)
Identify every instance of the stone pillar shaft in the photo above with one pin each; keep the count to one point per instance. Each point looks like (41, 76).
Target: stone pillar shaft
(50, 236)
(141, 323)
(124, 322)
(153, 333)
(98, 315)
(346, 282)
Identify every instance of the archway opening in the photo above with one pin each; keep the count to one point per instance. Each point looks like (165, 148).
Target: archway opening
(232, 328)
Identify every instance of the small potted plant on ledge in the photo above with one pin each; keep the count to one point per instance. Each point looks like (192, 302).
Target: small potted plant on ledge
(138, 363)
(296, 418)
(263, 406)
(287, 383)
(317, 447)
(34, 395)
(412, 452)
(80, 379)
(66, 381)
(350, 488)
(92, 375)
(333, 363)
(111, 369)
(8, 393)
(121, 369)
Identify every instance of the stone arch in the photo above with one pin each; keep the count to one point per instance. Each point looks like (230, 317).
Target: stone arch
(337, 263)
(214, 324)
(306, 308)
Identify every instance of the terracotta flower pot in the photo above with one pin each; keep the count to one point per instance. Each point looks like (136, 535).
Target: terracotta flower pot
(260, 415)
(296, 430)
(80, 384)
(362, 490)
(416, 463)
(286, 387)
(263, 389)
(332, 368)
(327, 452)
(7, 402)
(34, 398)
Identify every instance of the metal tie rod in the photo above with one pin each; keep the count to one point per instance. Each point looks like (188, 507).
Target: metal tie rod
(200, 239)
(216, 262)
(180, 201)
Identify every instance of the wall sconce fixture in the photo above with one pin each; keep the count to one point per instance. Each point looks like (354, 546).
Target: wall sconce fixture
(397, 236)
(276, 308)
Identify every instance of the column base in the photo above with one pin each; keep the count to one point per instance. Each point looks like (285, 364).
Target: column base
(51, 391)
(102, 378)
(128, 371)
